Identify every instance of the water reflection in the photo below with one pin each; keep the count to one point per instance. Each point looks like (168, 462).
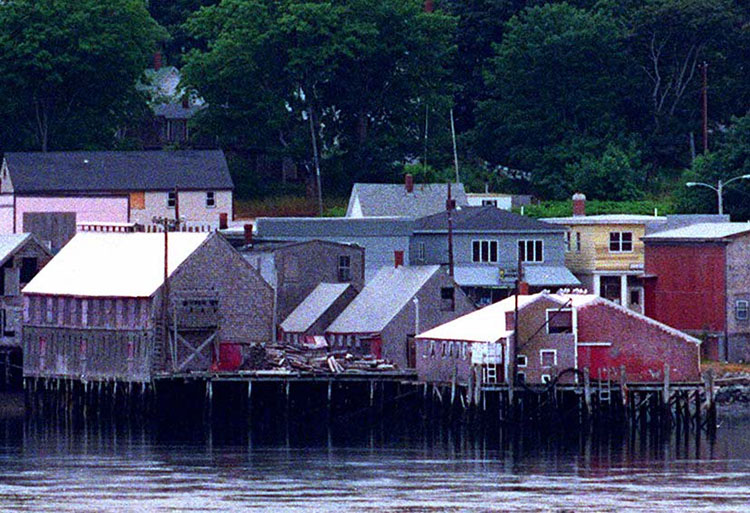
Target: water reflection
(177, 464)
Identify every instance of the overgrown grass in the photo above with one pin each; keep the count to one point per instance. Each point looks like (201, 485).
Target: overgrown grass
(594, 207)
(288, 206)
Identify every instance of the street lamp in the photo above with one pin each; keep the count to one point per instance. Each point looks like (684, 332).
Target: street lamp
(719, 188)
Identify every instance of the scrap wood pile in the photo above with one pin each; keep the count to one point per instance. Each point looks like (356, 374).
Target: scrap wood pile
(286, 357)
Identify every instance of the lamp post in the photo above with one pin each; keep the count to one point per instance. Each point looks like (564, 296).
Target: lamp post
(719, 188)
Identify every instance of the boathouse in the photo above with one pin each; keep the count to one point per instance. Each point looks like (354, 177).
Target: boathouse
(558, 336)
(316, 312)
(102, 310)
(396, 304)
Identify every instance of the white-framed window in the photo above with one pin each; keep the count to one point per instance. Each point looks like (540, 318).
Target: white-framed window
(546, 378)
(521, 360)
(345, 268)
(620, 242)
(489, 203)
(559, 320)
(421, 253)
(171, 199)
(548, 357)
(210, 199)
(578, 242)
(741, 310)
(484, 251)
(568, 237)
(531, 250)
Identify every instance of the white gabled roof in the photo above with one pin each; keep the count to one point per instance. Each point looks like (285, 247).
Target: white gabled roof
(113, 264)
(701, 231)
(313, 306)
(605, 219)
(485, 325)
(384, 296)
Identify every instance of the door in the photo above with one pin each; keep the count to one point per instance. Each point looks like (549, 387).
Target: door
(411, 352)
(376, 347)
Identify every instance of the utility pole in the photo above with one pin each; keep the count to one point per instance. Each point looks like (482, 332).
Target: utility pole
(455, 152)
(316, 161)
(167, 224)
(705, 106)
(449, 206)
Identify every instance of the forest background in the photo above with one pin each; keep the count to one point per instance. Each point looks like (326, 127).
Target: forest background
(547, 98)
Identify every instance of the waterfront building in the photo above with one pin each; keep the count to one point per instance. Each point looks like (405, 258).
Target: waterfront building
(397, 303)
(316, 312)
(50, 194)
(102, 309)
(698, 280)
(402, 200)
(558, 336)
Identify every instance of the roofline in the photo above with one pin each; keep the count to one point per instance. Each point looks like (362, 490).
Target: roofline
(109, 192)
(480, 230)
(687, 240)
(590, 221)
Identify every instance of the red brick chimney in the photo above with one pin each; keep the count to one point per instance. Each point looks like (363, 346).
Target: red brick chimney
(523, 288)
(248, 233)
(157, 61)
(398, 258)
(429, 6)
(579, 204)
(185, 102)
(223, 224)
(409, 183)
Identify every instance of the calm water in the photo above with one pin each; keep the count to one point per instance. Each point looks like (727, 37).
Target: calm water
(100, 467)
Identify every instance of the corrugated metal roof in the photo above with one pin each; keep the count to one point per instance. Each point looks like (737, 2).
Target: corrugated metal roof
(384, 296)
(486, 219)
(701, 231)
(113, 264)
(549, 276)
(390, 199)
(9, 243)
(313, 306)
(82, 171)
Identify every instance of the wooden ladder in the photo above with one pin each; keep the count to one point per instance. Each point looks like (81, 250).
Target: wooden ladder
(605, 386)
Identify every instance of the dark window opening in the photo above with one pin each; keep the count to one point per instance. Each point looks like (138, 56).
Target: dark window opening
(345, 268)
(447, 299)
(28, 269)
(559, 321)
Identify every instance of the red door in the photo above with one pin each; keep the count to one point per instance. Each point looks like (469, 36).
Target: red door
(376, 347)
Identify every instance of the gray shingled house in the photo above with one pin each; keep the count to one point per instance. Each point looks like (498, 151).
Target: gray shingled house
(402, 200)
(313, 315)
(96, 311)
(397, 303)
(487, 245)
(294, 269)
(380, 237)
(49, 194)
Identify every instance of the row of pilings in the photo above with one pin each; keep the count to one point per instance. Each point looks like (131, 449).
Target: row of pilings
(284, 405)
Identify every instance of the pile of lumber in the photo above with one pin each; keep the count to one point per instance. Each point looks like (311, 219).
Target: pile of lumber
(286, 357)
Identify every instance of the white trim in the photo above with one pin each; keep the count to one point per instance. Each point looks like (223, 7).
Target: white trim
(557, 310)
(525, 360)
(548, 380)
(554, 355)
(619, 242)
(594, 344)
(489, 251)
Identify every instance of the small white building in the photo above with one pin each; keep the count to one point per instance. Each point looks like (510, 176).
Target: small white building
(49, 194)
(490, 199)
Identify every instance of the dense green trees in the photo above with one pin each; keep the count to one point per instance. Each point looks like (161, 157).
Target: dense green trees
(68, 70)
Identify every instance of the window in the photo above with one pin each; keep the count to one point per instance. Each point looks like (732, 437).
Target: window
(28, 269)
(521, 360)
(444, 350)
(559, 321)
(210, 199)
(530, 251)
(520, 378)
(578, 241)
(489, 203)
(484, 251)
(432, 349)
(171, 199)
(7, 324)
(567, 241)
(421, 254)
(345, 268)
(447, 299)
(548, 357)
(620, 242)
(741, 310)
(546, 378)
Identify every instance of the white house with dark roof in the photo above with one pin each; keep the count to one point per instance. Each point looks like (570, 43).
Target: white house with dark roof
(402, 200)
(49, 194)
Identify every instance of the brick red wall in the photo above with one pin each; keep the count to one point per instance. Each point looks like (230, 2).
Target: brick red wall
(688, 292)
(642, 346)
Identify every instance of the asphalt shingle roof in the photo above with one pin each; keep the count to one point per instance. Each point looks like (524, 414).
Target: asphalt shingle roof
(313, 306)
(483, 219)
(83, 171)
(390, 199)
(700, 231)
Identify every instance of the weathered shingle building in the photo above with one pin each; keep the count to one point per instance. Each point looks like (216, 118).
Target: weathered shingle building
(96, 311)
(402, 200)
(316, 312)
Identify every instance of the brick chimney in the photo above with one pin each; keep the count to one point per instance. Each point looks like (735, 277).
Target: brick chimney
(223, 224)
(579, 204)
(409, 183)
(429, 6)
(157, 61)
(248, 233)
(398, 259)
(523, 288)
